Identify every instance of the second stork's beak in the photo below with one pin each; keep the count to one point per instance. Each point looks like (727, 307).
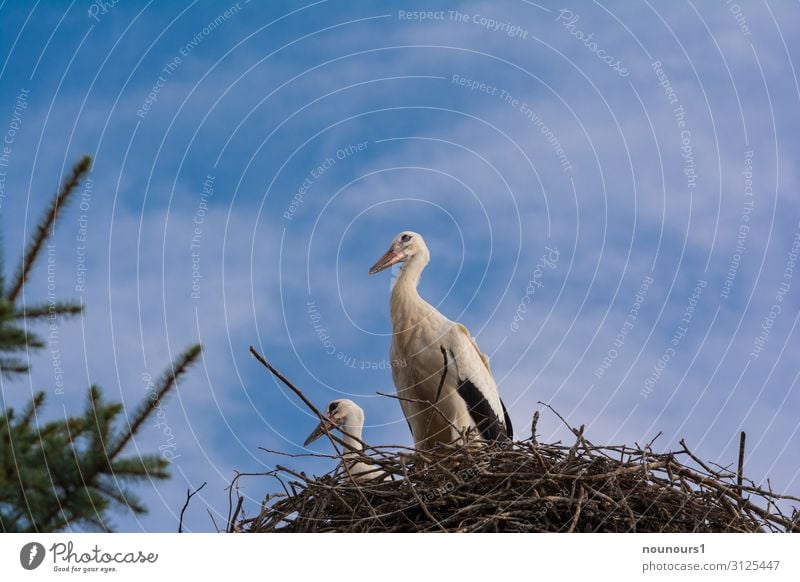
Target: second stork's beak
(387, 260)
(325, 425)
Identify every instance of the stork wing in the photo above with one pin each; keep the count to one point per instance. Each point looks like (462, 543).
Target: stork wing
(476, 385)
(484, 357)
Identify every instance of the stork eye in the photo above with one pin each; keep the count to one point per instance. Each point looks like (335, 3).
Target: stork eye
(405, 238)
(333, 406)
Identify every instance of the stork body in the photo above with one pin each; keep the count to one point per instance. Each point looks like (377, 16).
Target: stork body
(347, 416)
(443, 380)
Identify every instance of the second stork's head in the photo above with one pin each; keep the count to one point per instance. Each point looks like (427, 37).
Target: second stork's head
(405, 247)
(343, 414)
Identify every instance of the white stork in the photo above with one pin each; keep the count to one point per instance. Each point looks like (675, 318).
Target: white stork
(347, 416)
(443, 381)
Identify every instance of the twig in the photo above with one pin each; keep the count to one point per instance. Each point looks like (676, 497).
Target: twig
(695, 458)
(288, 383)
(740, 469)
(214, 521)
(575, 517)
(574, 448)
(306, 401)
(534, 422)
(189, 495)
(232, 523)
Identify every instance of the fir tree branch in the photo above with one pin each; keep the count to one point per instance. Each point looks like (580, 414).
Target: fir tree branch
(60, 308)
(44, 229)
(165, 384)
(84, 492)
(13, 339)
(32, 409)
(11, 366)
(144, 467)
(122, 497)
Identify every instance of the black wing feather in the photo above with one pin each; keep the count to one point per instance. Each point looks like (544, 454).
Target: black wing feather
(489, 425)
(509, 428)
(483, 415)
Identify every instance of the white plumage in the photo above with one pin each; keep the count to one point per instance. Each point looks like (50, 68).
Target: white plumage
(348, 417)
(440, 403)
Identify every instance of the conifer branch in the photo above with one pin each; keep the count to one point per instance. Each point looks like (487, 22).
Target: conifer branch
(45, 227)
(61, 308)
(165, 384)
(32, 409)
(11, 366)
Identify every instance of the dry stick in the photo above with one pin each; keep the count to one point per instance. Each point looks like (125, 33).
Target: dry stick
(234, 482)
(568, 425)
(740, 469)
(649, 446)
(297, 455)
(533, 426)
(696, 459)
(230, 494)
(283, 379)
(214, 521)
(581, 501)
(574, 448)
(334, 439)
(232, 523)
(189, 495)
(764, 493)
(301, 476)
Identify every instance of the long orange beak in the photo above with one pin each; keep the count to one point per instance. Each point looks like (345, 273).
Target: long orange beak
(325, 425)
(387, 260)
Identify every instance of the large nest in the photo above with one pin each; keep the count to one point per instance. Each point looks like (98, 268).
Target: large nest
(525, 487)
(521, 487)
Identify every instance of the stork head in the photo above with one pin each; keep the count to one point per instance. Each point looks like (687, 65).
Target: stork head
(344, 414)
(404, 247)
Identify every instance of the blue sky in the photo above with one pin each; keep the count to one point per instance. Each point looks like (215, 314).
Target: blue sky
(652, 145)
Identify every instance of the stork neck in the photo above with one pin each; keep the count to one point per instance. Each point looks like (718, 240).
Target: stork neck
(406, 301)
(350, 443)
(410, 272)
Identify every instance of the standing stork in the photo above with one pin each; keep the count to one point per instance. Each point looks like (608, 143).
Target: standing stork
(348, 417)
(443, 381)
